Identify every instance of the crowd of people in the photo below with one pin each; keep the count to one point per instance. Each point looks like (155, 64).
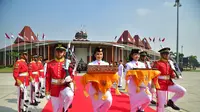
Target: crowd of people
(51, 78)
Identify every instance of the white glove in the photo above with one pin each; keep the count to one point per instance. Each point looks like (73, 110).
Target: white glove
(72, 86)
(48, 97)
(153, 90)
(68, 79)
(22, 87)
(32, 82)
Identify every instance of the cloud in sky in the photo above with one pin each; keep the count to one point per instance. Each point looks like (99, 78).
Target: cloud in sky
(143, 11)
(168, 4)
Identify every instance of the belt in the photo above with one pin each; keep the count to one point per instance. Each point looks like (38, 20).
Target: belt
(35, 73)
(166, 77)
(23, 74)
(57, 81)
(41, 70)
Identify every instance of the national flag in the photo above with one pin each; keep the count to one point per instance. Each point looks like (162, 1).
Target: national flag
(159, 39)
(32, 38)
(129, 39)
(43, 36)
(149, 39)
(154, 39)
(115, 37)
(163, 39)
(20, 37)
(7, 36)
(12, 36)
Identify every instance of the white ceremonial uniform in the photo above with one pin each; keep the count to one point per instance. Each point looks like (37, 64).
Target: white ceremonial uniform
(100, 105)
(137, 100)
(120, 73)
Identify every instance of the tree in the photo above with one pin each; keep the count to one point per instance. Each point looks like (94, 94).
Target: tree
(193, 61)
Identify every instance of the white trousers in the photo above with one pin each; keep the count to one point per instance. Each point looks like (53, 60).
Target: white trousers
(120, 79)
(42, 82)
(162, 96)
(100, 105)
(20, 99)
(33, 90)
(63, 101)
(138, 100)
(152, 90)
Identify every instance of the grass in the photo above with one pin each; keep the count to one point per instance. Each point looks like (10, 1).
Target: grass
(6, 70)
(192, 71)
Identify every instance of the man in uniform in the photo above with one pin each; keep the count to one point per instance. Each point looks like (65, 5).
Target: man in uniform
(166, 83)
(144, 59)
(34, 77)
(57, 83)
(41, 78)
(20, 74)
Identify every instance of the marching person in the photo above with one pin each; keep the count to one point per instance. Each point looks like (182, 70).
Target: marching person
(58, 88)
(120, 73)
(34, 78)
(41, 78)
(99, 105)
(20, 74)
(138, 101)
(145, 60)
(166, 83)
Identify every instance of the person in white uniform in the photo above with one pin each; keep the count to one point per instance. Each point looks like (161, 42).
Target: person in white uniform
(145, 60)
(99, 105)
(138, 101)
(120, 73)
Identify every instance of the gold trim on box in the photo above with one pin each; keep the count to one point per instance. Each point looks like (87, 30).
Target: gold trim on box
(100, 69)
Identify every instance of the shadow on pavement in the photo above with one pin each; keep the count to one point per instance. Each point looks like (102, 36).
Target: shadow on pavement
(6, 109)
(11, 100)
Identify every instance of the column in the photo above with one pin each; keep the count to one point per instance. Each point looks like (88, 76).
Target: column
(48, 52)
(90, 53)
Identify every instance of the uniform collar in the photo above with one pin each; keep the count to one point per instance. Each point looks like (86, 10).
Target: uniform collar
(60, 60)
(162, 59)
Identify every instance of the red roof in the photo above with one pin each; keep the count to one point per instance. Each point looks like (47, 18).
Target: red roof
(138, 41)
(26, 33)
(126, 38)
(146, 43)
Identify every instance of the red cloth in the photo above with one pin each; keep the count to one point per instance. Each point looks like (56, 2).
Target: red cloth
(55, 71)
(40, 67)
(20, 67)
(32, 67)
(164, 67)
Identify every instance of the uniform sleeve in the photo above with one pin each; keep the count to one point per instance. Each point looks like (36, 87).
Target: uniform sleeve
(16, 73)
(48, 80)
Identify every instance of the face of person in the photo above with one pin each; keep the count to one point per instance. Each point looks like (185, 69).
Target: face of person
(135, 56)
(99, 56)
(143, 58)
(165, 56)
(60, 54)
(25, 56)
(35, 59)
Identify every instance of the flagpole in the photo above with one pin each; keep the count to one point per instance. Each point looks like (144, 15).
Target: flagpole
(31, 44)
(38, 46)
(44, 47)
(5, 53)
(24, 41)
(11, 50)
(18, 46)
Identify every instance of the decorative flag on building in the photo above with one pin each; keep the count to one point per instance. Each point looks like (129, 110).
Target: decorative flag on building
(122, 39)
(129, 39)
(12, 36)
(159, 39)
(150, 39)
(163, 39)
(115, 37)
(20, 37)
(154, 39)
(7, 36)
(43, 36)
(32, 37)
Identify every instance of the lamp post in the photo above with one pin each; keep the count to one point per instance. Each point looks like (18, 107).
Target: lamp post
(177, 4)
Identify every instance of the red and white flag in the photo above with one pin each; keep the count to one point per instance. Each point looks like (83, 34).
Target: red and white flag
(43, 36)
(163, 39)
(122, 39)
(20, 37)
(159, 39)
(150, 39)
(154, 39)
(12, 36)
(7, 36)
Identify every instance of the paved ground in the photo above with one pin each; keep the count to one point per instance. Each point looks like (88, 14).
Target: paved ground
(189, 103)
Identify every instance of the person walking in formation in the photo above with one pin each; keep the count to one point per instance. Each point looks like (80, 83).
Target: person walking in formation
(99, 105)
(145, 60)
(20, 74)
(138, 101)
(166, 83)
(57, 84)
(34, 78)
(41, 78)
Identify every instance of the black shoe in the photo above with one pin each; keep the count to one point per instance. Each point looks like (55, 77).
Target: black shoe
(172, 105)
(37, 101)
(140, 111)
(26, 101)
(34, 104)
(42, 96)
(165, 106)
(119, 86)
(153, 102)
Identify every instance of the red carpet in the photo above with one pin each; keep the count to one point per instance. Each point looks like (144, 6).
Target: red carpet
(82, 104)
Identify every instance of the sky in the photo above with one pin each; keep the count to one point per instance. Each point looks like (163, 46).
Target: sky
(105, 19)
